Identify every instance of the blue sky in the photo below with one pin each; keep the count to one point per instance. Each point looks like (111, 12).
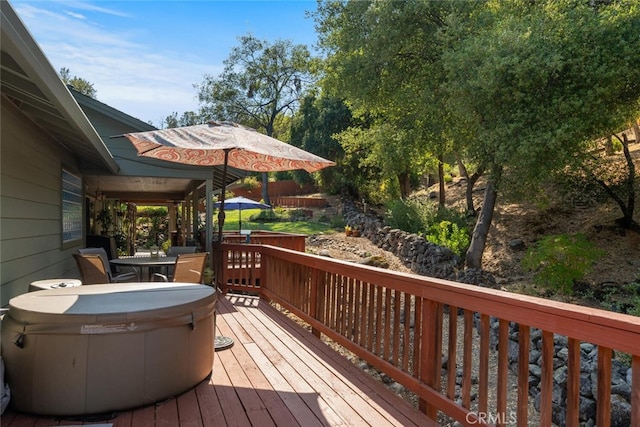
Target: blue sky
(143, 57)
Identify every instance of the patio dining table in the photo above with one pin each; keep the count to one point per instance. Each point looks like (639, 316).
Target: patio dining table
(145, 263)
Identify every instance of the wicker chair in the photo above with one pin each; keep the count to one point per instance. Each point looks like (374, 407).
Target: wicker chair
(188, 268)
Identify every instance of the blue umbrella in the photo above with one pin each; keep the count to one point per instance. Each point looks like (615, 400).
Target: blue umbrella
(240, 203)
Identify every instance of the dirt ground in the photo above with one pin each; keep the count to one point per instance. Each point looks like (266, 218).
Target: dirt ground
(526, 222)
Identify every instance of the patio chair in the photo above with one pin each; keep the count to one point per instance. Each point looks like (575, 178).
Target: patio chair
(188, 268)
(175, 251)
(123, 277)
(91, 269)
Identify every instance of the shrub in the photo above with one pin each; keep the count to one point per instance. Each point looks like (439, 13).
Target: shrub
(266, 215)
(449, 235)
(250, 183)
(411, 215)
(559, 260)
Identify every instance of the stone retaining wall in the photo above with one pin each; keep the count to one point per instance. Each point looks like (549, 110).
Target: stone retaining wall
(429, 259)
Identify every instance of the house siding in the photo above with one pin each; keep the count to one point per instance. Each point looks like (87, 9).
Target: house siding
(30, 205)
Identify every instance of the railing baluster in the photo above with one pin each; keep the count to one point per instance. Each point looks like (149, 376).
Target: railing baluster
(635, 390)
(524, 339)
(503, 366)
(438, 348)
(573, 383)
(452, 344)
(483, 368)
(387, 324)
(395, 326)
(406, 342)
(367, 341)
(603, 411)
(417, 334)
(546, 380)
(379, 321)
(427, 368)
(467, 359)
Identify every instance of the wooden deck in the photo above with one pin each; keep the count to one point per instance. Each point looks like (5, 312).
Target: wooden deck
(275, 374)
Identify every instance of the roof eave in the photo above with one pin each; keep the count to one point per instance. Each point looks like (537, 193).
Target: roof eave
(17, 40)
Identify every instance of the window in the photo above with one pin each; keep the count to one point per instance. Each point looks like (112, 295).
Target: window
(71, 207)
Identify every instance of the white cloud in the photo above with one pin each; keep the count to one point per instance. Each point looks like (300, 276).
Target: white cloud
(126, 73)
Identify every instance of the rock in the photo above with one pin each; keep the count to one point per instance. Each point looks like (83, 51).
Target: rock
(375, 261)
(620, 411)
(516, 245)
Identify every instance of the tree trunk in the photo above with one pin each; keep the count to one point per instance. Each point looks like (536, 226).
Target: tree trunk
(462, 169)
(265, 188)
(471, 182)
(481, 230)
(441, 195)
(636, 131)
(404, 181)
(627, 207)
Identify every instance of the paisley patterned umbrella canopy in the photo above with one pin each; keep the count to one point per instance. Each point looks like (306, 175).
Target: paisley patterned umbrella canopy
(206, 145)
(227, 144)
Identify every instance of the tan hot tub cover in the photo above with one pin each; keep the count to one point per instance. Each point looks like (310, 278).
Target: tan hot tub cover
(101, 348)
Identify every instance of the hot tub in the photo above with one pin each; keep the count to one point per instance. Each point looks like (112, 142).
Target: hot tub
(102, 348)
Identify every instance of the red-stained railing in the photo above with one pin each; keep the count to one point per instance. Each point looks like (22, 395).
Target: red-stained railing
(407, 326)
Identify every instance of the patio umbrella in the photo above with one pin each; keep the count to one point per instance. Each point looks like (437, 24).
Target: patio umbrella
(226, 144)
(240, 203)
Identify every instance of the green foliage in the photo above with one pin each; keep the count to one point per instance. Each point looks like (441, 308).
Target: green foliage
(260, 80)
(153, 224)
(105, 218)
(188, 118)
(445, 227)
(449, 235)
(412, 215)
(559, 260)
(268, 215)
(153, 211)
(276, 220)
(250, 183)
(81, 85)
(313, 129)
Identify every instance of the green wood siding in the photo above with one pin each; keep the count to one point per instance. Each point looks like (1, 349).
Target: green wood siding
(30, 206)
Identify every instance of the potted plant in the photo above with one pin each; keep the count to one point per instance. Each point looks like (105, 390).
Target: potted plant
(105, 219)
(355, 232)
(347, 230)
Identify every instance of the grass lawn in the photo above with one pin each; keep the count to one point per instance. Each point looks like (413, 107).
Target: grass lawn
(297, 227)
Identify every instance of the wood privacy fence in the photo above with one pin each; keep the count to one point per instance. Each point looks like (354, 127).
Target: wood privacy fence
(407, 325)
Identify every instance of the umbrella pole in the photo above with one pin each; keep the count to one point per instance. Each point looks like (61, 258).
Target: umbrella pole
(221, 342)
(221, 214)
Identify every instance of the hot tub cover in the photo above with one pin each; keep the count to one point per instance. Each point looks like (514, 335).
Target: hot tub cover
(100, 348)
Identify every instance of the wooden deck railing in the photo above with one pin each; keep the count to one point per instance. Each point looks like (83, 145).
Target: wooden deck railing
(403, 324)
(242, 266)
(291, 241)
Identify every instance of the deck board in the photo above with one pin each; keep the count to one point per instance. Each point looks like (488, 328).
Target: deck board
(276, 374)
